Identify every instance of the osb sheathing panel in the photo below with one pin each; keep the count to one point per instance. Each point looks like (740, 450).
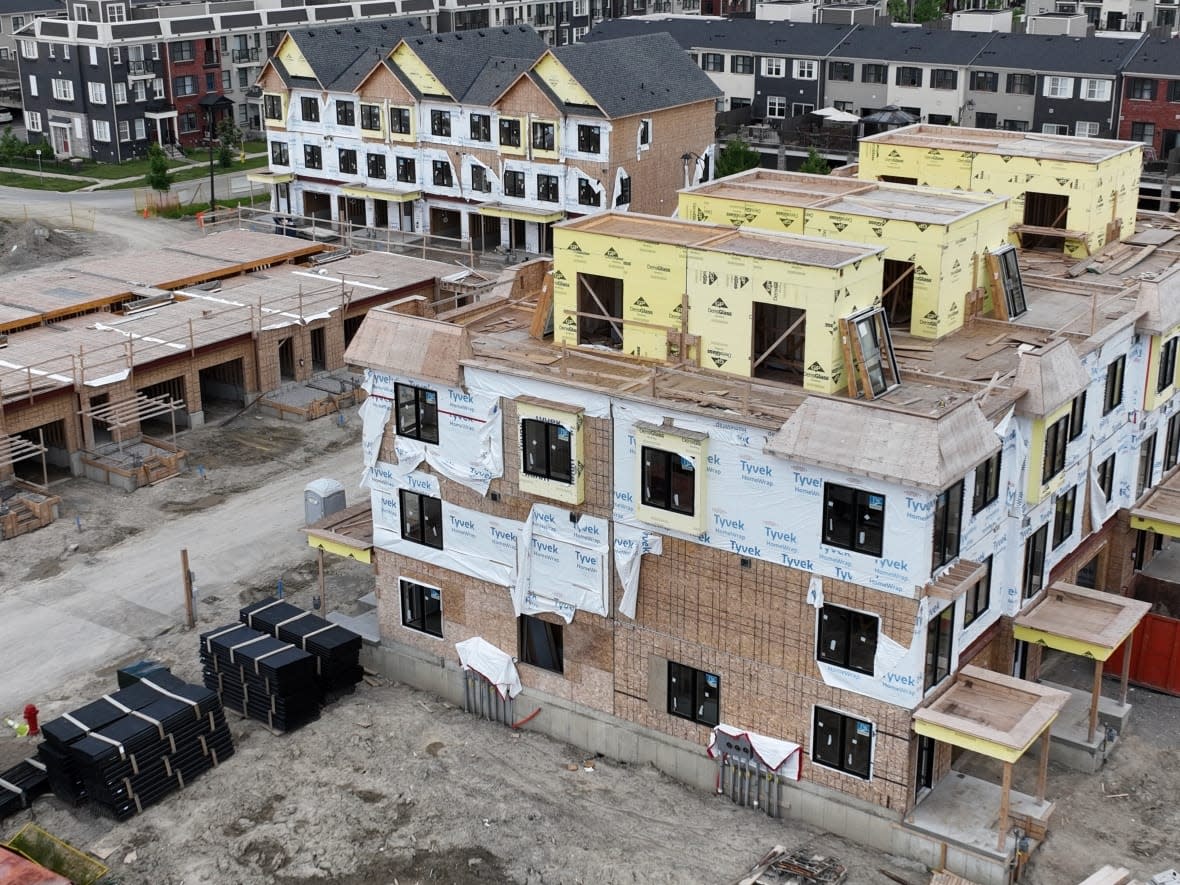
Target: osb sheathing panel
(427, 349)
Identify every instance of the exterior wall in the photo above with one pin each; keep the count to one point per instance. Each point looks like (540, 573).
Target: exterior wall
(793, 90)
(1009, 107)
(1070, 111)
(860, 97)
(1160, 112)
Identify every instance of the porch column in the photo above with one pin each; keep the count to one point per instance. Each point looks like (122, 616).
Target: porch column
(1005, 799)
(1126, 675)
(1043, 772)
(1097, 693)
(159, 133)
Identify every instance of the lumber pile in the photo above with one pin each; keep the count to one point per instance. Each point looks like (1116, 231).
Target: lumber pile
(21, 784)
(128, 750)
(336, 649)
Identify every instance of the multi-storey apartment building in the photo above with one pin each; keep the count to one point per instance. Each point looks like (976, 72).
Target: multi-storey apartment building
(481, 136)
(724, 506)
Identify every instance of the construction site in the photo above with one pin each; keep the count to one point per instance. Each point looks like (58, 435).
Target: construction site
(832, 514)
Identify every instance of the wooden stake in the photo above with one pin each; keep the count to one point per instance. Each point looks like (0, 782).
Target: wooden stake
(189, 619)
(1005, 799)
(1043, 772)
(1126, 668)
(1097, 693)
(323, 585)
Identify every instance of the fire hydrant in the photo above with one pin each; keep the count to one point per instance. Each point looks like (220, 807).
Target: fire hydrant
(31, 712)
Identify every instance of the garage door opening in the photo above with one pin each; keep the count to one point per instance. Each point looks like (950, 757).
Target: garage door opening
(1044, 210)
(897, 292)
(57, 454)
(223, 388)
(161, 425)
(600, 311)
(778, 346)
(446, 223)
(317, 205)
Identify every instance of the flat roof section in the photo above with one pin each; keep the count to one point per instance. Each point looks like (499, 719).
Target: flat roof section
(1036, 145)
(1081, 621)
(849, 196)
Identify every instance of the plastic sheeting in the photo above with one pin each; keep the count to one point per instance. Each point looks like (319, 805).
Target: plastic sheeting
(630, 545)
(782, 757)
(562, 564)
(492, 664)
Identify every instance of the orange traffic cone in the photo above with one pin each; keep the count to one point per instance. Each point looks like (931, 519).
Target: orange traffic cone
(145, 212)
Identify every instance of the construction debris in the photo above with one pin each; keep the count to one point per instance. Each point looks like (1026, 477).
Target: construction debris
(780, 866)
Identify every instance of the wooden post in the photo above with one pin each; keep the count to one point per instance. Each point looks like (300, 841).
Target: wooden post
(323, 585)
(188, 590)
(1005, 798)
(1096, 694)
(1126, 669)
(1043, 772)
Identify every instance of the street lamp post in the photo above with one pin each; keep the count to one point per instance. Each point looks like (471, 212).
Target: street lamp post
(40, 172)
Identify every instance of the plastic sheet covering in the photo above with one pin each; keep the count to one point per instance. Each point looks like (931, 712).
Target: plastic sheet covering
(781, 757)
(494, 665)
(630, 545)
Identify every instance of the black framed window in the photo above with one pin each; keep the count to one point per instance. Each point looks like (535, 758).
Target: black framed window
(979, 596)
(587, 195)
(376, 165)
(907, 76)
(985, 81)
(280, 154)
(272, 107)
(1146, 470)
(948, 524)
(853, 519)
(669, 481)
(309, 109)
(371, 117)
(1167, 365)
(842, 71)
(417, 412)
(940, 634)
(1021, 84)
(481, 127)
(1113, 396)
(1144, 132)
(842, 742)
(405, 170)
(944, 78)
(1106, 476)
(440, 123)
(624, 197)
(510, 133)
(987, 482)
(541, 643)
(1034, 561)
(441, 173)
(422, 519)
(543, 137)
(873, 73)
(741, 64)
(1055, 441)
(479, 180)
(347, 158)
(547, 450)
(712, 61)
(547, 188)
(1174, 90)
(694, 694)
(1172, 443)
(589, 139)
(313, 157)
(1063, 510)
(985, 120)
(399, 121)
(345, 113)
(1077, 416)
(421, 608)
(1141, 89)
(514, 184)
(847, 638)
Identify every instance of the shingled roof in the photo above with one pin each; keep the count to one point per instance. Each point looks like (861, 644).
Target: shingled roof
(796, 39)
(341, 55)
(458, 58)
(1157, 57)
(636, 75)
(1056, 53)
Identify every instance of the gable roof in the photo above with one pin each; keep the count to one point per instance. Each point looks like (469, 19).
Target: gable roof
(341, 55)
(796, 39)
(1155, 56)
(458, 58)
(1056, 53)
(636, 75)
(497, 75)
(915, 45)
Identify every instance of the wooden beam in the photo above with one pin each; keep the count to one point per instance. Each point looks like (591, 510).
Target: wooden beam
(1126, 674)
(1094, 696)
(849, 365)
(1043, 766)
(544, 309)
(606, 314)
(1005, 804)
(780, 339)
(999, 299)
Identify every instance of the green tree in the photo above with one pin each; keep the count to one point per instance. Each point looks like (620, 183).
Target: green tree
(736, 156)
(11, 147)
(898, 10)
(815, 164)
(158, 176)
(927, 11)
(229, 137)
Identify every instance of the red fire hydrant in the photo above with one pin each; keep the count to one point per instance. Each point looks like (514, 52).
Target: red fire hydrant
(31, 719)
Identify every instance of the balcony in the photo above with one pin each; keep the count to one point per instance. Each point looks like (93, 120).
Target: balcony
(246, 56)
(211, 60)
(144, 67)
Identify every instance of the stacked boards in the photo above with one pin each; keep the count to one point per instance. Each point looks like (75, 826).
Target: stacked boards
(21, 784)
(128, 750)
(336, 649)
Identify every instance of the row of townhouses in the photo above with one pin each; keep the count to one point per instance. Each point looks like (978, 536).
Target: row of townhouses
(1125, 87)
(814, 476)
(481, 136)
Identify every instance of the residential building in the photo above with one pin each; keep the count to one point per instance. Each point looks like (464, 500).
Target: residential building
(726, 507)
(483, 137)
(15, 14)
(1150, 97)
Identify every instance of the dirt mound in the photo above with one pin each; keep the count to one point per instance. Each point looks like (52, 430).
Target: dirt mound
(33, 243)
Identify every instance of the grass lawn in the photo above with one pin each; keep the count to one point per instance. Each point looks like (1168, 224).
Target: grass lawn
(33, 182)
(191, 174)
(255, 146)
(193, 208)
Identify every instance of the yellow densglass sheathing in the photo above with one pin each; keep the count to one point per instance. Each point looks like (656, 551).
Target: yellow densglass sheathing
(571, 421)
(741, 213)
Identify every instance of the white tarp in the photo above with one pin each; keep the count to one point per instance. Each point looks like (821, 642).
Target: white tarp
(630, 545)
(492, 664)
(562, 564)
(773, 753)
(470, 448)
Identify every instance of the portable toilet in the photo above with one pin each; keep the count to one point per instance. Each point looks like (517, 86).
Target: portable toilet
(321, 499)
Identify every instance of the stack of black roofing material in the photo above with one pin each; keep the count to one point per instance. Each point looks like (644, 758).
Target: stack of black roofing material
(132, 748)
(337, 649)
(21, 784)
(260, 676)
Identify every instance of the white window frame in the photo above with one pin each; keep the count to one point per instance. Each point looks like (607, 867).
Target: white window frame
(65, 51)
(1086, 129)
(1058, 87)
(1095, 90)
(101, 130)
(33, 85)
(158, 88)
(806, 69)
(63, 90)
(93, 51)
(115, 12)
(120, 93)
(33, 121)
(124, 130)
(773, 66)
(18, 22)
(116, 55)
(98, 92)
(1054, 129)
(140, 129)
(776, 102)
(81, 13)
(28, 49)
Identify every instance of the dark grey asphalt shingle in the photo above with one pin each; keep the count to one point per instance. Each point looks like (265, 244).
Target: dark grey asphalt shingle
(342, 54)
(1056, 53)
(1156, 56)
(457, 58)
(917, 45)
(799, 40)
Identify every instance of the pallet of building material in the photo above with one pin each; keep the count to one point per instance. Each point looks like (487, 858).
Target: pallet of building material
(21, 784)
(336, 649)
(130, 749)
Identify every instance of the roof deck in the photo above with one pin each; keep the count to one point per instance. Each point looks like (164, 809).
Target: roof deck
(1034, 145)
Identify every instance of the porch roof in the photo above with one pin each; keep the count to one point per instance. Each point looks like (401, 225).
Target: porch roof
(1080, 621)
(1159, 512)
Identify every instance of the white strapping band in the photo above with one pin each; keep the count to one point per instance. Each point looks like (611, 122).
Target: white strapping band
(293, 618)
(315, 633)
(234, 648)
(122, 708)
(250, 617)
(112, 742)
(261, 658)
(209, 639)
(11, 787)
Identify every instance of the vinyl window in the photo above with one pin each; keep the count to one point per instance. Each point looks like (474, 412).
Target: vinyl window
(948, 523)
(421, 608)
(541, 643)
(547, 188)
(806, 69)
(371, 117)
(547, 450)
(978, 597)
(280, 153)
(98, 92)
(441, 173)
(985, 81)
(417, 412)
(399, 121)
(309, 109)
(939, 641)
(272, 107)
(542, 137)
(1063, 510)
(1172, 443)
(1146, 472)
(587, 194)
(847, 638)
(874, 73)
(944, 78)
(841, 71)
(842, 742)
(1058, 87)
(63, 90)
(375, 164)
(514, 184)
(422, 519)
(1099, 90)
(1055, 441)
(1021, 84)
(774, 67)
(510, 133)
(741, 64)
(712, 61)
(694, 694)
(345, 113)
(346, 160)
(589, 139)
(907, 76)
(1106, 476)
(481, 127)
(440, 123)
(406, 171)
(854, 519)
(987, 482)
(668, 481)
(101, 130)
(313, 157)
(1166, 376)
(1034, 562)
(1113, 395)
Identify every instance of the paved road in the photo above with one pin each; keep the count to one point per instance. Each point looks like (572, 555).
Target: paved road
(100, 610)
